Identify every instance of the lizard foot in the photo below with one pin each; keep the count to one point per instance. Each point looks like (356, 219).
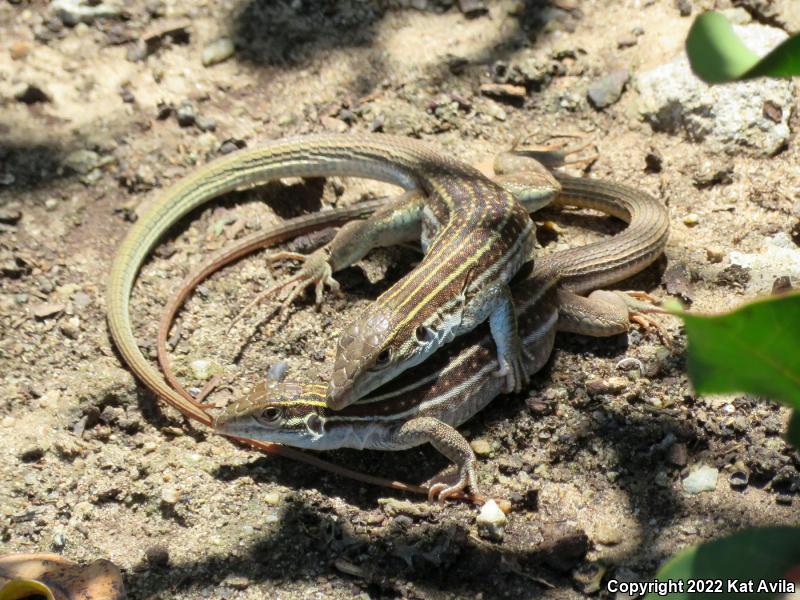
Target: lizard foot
(441, 491)
(649, 324)
(640, 305)
(315, 271)
(513, 369)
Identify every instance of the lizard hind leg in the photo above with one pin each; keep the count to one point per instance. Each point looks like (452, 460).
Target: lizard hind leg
(605, 313)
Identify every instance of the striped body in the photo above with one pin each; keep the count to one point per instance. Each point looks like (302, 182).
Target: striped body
(458, 381)
(452, 386)
(476, 236)
(450, 187)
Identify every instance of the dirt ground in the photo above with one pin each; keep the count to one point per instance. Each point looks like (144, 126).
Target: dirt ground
(93, 466)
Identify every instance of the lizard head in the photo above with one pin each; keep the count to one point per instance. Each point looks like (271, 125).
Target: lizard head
(371, 351)
(284, 413)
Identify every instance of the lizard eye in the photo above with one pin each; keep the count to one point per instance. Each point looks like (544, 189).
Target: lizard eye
(383, 358)
(270, 414)
(424, 334)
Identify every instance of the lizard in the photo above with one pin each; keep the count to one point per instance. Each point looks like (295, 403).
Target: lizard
(462, 216)
(426, 404)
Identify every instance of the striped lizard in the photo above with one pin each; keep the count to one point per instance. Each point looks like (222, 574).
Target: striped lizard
(476, 234)
(425, 404)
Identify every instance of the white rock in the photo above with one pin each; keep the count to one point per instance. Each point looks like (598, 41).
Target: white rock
(201, 369)
(492, 521)
(728, 117)
(702, 479)
(170, 495)
(218, 51)
(779, 258)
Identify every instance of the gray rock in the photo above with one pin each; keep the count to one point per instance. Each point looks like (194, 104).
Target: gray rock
(727, 117)
(206, 123)
(10, 215)
(82, 161)
(185, 115)
(607, 90)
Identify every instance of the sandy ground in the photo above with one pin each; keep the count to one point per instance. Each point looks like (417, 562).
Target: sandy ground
(94, 466)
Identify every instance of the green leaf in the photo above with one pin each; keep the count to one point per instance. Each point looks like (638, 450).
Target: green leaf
(753, 349)
(717, 55)
(763, 554)
(793, 432)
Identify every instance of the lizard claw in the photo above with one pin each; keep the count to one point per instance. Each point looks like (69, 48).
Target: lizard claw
(514, 370)
(443, 491)
(315, 270)
(649, 324)
(640, 306)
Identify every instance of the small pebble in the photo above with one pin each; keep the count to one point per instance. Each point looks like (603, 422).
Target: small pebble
(228, 146)
(684, 7)
(218, 51)
(678, 455)
(237, 582)
(702, 479)
(9, 215)
(82, 161)
(607, 90)
(82, 300)
(691, 219)
(51, 204)
(739, 477)
(185, 115)
(715, 254)
(170, 495)
(481, 447)
(492, 521)
(608, 535)
(271, 498)
(333, 124)
(70, 329)
(19, 50)
(46, 286)
(503, 90)
(495, 111)
(201, 369)
(206, 123)
(612, 385)
(47, 309)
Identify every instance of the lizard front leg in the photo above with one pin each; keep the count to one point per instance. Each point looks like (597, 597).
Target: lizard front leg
(398, 222)
(502, 315)
(450, 443)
